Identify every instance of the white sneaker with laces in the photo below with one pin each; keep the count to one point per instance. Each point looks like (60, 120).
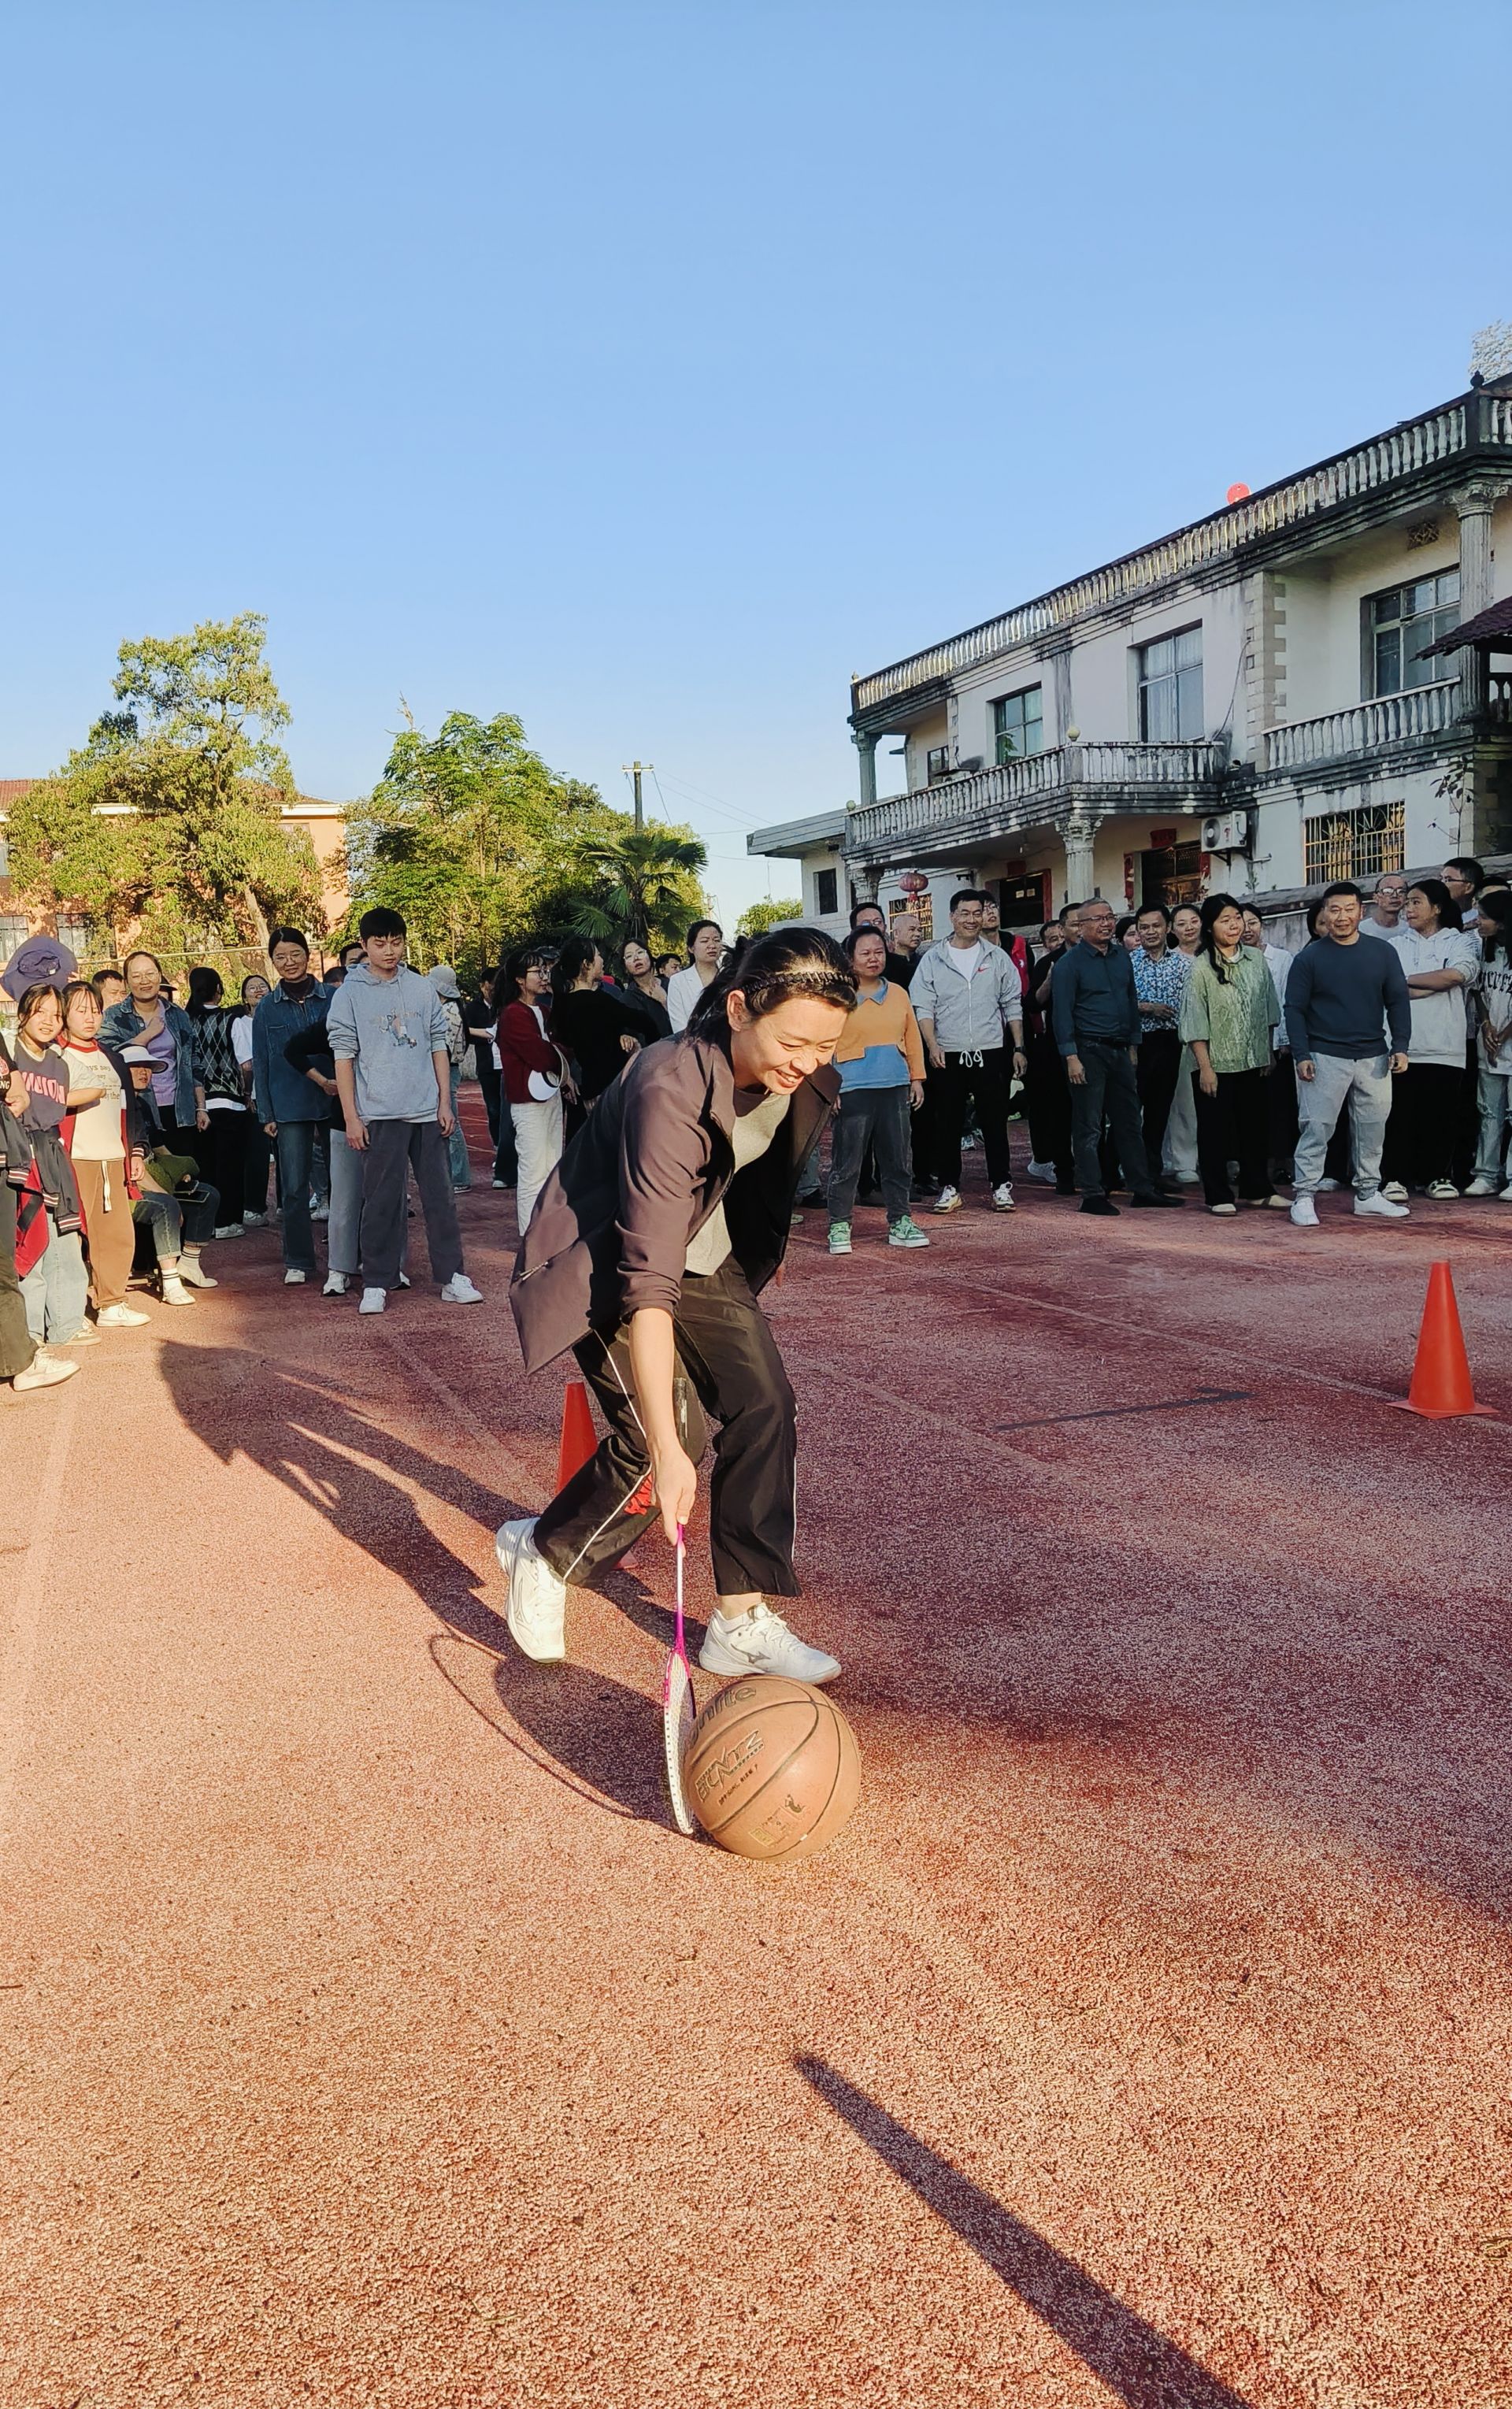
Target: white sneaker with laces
(192, 1271)
(373, 1300)
(231, 1230)
(1002, 1198)
(174, 1291)
(537, 1608)
(336, 1284)
(1441, 1190)
(948, 1201)
(254, 1220)
(1395, 1188)
(1479, 1187)
(121, 1317)
(295, 1279)
(1379, 1207)
(1507, 1193)
(1044, 1172)
(1305, 1212)
(44, 1370)
(319, 1211)
(760, 1642)
(460, 1291)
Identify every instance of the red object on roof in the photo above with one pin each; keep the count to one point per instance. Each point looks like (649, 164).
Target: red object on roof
(1237, 493)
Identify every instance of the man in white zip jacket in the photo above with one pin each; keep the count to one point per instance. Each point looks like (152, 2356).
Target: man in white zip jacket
(966, 997)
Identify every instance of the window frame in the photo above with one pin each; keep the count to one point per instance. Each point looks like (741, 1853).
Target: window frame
(1441, 618)
(822, 910)
(1372, 851)
(1019, 695)
(1145, 682)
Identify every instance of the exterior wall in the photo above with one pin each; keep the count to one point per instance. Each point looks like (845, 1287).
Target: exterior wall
(919, 743)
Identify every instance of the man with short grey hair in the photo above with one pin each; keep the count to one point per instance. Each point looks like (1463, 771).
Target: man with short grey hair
(1386, 905)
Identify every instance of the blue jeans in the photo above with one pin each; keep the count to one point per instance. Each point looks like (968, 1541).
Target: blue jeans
(55, 1290)
(456, 1144)
(296, 1144)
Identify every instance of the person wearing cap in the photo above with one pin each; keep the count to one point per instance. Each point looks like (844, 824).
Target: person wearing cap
(443, 979)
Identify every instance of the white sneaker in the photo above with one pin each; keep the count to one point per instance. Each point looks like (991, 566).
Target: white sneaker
(1395, 1188)
(1044, 1172)
(295, 1279)
(319, 1211)
(231, 1230)
(1002, 1198)
(460, 1291)
(1506, 1197)
(121, 1317)
(87, 1336)
(44, 1370)
(1442, 1191)
(1305, 1212)
(174, 1291)
(948, 1201)
(760, 1642)
(404, 1280)
(1479, 1187)
(373, 1300)
(500, 1183)
(193, 1272)
(1379, 1207)
(336, 1284)
(254, 1220)
(537, 1608)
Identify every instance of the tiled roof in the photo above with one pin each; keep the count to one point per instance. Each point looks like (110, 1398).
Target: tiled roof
(1493, 625)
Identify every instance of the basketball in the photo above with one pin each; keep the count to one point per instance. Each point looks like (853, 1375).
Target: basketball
(771, 1769)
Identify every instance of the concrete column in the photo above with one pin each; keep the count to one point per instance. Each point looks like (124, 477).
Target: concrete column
(1065, 716)
(1475, 503)
(866, 747)
(1076, 834)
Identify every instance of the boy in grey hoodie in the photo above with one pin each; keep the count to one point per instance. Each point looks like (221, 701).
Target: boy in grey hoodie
(387, 1032)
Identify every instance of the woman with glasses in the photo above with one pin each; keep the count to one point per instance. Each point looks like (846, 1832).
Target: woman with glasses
(534, 1070)
(1441, 960)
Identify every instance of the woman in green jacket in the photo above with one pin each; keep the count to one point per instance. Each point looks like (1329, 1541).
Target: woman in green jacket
(1227, 1013)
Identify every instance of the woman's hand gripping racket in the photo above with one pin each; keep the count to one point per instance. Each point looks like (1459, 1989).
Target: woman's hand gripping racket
(678, 1709)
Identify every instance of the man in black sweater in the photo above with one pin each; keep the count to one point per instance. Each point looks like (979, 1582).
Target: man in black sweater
(1096, 1015)
(1341, 995)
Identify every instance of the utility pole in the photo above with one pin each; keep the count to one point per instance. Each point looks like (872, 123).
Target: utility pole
(635, 770)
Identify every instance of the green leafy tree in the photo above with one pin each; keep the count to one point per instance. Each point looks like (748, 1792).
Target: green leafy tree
(189, 782)
(758, 918)
(647, 884)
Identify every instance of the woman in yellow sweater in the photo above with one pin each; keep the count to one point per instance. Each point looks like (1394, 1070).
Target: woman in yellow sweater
(880, 1059)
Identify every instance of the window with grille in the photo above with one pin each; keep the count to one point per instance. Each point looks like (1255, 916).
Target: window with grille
(1356, 844)
(1018, 724)
(1401, 622)
(1170, 690)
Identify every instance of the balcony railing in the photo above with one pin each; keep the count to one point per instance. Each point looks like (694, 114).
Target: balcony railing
(1028, 793)
(1388, 460)
(1500, 696)
(1394, 719)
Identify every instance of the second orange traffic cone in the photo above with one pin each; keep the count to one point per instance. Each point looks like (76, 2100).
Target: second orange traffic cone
(580, 1440)
(1441, 1388)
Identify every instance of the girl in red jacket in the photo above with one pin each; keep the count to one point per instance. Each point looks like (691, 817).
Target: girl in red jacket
(534, 1073)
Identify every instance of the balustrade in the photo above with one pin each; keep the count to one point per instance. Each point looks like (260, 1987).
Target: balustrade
(1390, 719)
(1030, 791)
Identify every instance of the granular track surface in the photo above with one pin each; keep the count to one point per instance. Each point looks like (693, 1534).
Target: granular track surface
(368, 2036)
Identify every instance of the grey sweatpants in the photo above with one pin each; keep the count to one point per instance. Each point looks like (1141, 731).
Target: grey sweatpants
(394, 1149)
(1364, 1083)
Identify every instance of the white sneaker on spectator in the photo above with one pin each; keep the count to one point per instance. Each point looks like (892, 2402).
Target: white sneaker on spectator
(1305, 1212)
(121, 1317)
(295, 1279)
(254, 1220)
(1395, 1188)
(192, 1271)
(760, 1642)
(1441, 1190)
(319, 1211)
(174, 1291)
(1481, 1187)
(44, 1370)
(460, 1291)
(373, 1300)
(231, 1230)
(1042, 1171)
(87, 1336)
(336, 1284)
(948, 1201)
(1379, 1207)
(1002, 1197)
(1507, 1193)
(536, 1612)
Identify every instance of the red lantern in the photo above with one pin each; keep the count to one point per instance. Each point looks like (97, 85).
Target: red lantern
(912, 882)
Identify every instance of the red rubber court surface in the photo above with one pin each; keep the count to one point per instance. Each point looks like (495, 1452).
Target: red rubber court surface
(370, 2036)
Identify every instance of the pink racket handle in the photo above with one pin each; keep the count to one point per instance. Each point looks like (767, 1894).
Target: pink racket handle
(680, 1552)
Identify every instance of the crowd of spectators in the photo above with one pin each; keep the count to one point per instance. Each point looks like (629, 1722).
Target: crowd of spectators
(1147, 1053)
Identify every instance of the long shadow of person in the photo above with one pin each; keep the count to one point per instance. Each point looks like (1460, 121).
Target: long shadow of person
(599, 1737)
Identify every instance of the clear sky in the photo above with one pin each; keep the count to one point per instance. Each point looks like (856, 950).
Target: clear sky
(647, 370)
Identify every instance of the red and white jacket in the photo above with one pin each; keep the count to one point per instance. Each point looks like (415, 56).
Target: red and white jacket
(524, 1049)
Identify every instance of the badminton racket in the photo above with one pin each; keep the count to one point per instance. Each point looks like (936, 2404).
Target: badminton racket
(678, 1708)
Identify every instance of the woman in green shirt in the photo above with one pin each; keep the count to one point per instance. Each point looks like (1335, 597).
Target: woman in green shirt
(1227, 1015)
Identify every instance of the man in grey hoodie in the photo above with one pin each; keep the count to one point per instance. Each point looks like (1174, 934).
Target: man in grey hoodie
(387, 1032)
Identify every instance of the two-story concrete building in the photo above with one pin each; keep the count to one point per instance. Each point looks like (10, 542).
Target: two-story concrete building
(1254, 700)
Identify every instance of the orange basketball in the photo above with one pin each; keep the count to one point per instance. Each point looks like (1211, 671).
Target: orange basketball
(770, 1769)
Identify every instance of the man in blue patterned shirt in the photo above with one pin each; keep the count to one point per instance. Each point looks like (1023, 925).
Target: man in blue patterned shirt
(1161, 975)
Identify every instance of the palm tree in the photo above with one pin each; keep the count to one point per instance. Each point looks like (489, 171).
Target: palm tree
(643, 876)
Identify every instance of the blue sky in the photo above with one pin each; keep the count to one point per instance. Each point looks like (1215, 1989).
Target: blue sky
(647, 370)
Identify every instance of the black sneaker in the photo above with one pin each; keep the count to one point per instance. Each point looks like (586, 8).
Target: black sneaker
(1100, 1205)
(1156, 1196)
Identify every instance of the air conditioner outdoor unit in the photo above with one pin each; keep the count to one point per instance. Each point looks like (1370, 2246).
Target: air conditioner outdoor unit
(1225, 832)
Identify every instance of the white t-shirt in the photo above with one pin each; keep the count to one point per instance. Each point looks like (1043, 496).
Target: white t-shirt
(97, 1129)
(964, 957)
(241, 1040)
(683, 989)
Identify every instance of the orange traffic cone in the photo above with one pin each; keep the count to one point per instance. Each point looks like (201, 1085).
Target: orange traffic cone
(1441, 1388)
(580, 1440)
